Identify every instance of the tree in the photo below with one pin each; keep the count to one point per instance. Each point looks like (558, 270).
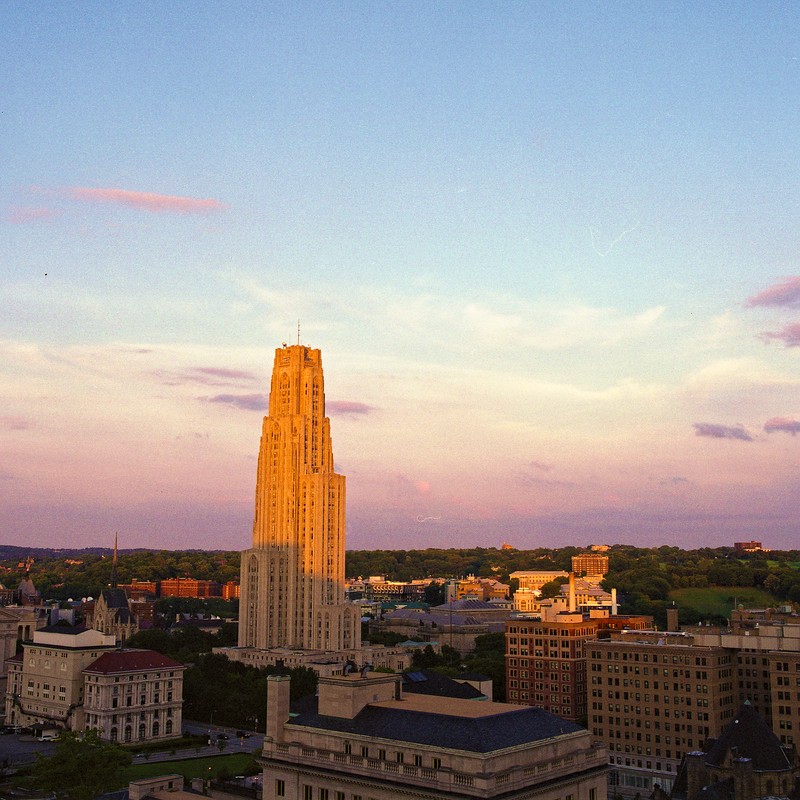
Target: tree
(83, 768)
(552, 588)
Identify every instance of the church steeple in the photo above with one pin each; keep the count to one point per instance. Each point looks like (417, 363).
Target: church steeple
(114, 563)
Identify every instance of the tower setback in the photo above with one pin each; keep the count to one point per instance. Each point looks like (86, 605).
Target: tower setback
(292, 578)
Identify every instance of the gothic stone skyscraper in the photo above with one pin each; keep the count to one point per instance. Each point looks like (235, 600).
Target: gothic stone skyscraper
(292, 579)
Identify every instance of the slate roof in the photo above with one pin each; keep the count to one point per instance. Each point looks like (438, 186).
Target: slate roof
(131, 661)
(64, 628)
(115, 598)
(749, 736)
(423, 681)
(483, 734)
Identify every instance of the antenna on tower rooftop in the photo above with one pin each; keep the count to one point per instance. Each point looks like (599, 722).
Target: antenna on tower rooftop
(298, 331)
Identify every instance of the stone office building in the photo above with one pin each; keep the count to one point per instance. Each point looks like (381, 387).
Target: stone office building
(652, 697)
(359, 740)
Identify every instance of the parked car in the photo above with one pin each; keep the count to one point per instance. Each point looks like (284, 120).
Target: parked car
(223, 736)
(243, 734)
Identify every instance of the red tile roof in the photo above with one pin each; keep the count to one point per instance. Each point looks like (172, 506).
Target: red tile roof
(131, 661)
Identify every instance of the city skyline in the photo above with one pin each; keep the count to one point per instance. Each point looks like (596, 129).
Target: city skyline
(549, 252)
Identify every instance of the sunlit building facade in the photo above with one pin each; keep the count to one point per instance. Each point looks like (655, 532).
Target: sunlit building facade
(292, 579)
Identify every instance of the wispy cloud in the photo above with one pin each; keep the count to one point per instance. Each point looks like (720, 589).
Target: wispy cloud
(782, 424)
(207, 376)
(715, 431)
(790, 335)
(12, 423)
(339, 408)
(19, 215)
(219, 372)
(246, 402)
(786, 293)
(147, 201)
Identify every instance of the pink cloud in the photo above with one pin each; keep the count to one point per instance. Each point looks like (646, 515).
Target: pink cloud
(18, 215)
(781, 294)
(782, 424)
(336, 408)
(220, 372)
(208, 376)
(148, 201)
(10, 423)
(715, 431)
(790, 335)
(247, 402)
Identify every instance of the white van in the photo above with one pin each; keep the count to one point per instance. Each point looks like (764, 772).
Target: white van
(49, 736)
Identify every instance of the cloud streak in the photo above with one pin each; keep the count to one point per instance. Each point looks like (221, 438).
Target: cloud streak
(783, 424)
(208, 376)
(789, 335)
(786, 294)
(12, 423)
(147, 201)
(18, 215)
(714, 431)
(340, 408)
(245, 402)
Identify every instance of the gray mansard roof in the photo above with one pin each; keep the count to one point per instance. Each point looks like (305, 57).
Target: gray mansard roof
(479, 733)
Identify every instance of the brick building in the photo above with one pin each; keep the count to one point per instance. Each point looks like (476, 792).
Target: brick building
(546, 660)
(654, 696)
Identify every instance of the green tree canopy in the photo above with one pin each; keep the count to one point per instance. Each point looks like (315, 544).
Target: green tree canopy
(81, 767)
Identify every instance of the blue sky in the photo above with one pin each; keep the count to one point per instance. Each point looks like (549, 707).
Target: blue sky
(549, 252)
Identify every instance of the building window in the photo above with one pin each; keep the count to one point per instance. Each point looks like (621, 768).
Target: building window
(437, 763)
(280, 788)
(307, 792)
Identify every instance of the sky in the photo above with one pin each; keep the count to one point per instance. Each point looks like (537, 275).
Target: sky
(549, 252)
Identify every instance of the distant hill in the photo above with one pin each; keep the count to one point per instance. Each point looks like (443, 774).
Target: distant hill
(11, 551)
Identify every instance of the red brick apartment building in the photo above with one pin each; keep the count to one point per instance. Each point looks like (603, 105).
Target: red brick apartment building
(546, 660)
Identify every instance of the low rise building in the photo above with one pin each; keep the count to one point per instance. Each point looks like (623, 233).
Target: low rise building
(76, 678)
(359, 738)
(745, 762)
(134, 696)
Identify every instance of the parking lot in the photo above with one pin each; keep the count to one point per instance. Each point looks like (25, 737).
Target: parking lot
(17, 749)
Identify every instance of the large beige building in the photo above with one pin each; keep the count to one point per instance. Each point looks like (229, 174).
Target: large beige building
(359, 740)
(654, 696)
(292, 579)
(77, 678)
(134, 696)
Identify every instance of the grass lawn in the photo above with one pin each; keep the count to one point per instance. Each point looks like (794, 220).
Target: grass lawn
(721, 600)
(236, 764)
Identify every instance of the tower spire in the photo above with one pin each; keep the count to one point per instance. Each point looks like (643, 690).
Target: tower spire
(114, 563)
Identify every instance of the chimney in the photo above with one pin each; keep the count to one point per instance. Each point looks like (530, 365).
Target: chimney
(572, 603)
(277, 706)
(614, 605)
(346, 695)
(672, 619)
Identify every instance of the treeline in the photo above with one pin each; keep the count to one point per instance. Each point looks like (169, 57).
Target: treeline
(635, 571)
(82, 574)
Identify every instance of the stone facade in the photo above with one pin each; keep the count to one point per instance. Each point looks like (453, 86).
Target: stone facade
(362, 740)
(134, 696)
(77, 678)
(292, 579)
